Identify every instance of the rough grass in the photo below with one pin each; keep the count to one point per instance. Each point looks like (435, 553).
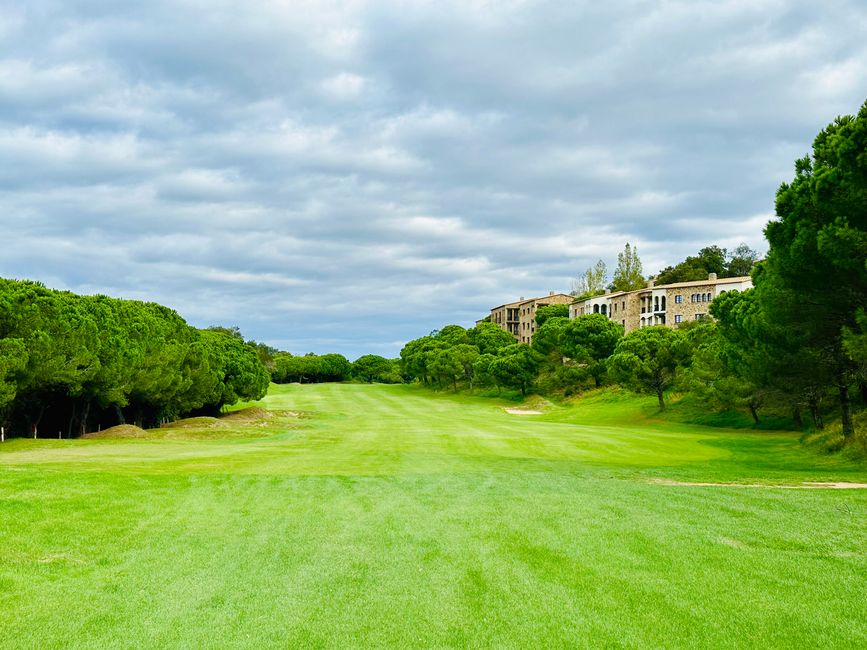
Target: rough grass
(390, 516)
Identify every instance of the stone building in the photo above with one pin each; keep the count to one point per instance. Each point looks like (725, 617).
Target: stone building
(519, 318)
(669, 304)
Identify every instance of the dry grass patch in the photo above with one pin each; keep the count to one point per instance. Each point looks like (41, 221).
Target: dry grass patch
(119, 431)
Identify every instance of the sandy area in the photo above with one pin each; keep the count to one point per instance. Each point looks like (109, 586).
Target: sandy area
(522, 411)
(802, 486)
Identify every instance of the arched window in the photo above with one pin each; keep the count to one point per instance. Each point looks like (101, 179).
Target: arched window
(595, 309)
(663, 303)
(604, 310)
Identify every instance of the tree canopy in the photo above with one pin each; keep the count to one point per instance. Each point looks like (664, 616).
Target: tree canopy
(67, 361)
(628, 274)
(710, 259)
(814, 281)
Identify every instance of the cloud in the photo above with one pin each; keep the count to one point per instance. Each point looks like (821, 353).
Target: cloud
(349, 175)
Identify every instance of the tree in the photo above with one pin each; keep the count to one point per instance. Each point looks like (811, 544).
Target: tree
(817, 250)
(483, 370)
(647, 359)
(452, 335)
(516, 366)
(548, 340)
(551, 311)
(13, 359)
(416, 355)
(446, 365)
(371, 367)
(466, 355)
(741, 261)
(710, 259)
(589, 340)
(718, 373)
(592, 283)
(627, 276)
(489, 338)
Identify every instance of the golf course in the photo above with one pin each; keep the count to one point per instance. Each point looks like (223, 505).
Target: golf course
(353, 515)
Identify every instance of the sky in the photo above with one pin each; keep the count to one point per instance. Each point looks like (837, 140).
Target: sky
(347, 176)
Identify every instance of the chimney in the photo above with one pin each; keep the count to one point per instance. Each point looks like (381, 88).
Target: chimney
(521, 298)
(651, 282)
(711, 276)
(550, 293)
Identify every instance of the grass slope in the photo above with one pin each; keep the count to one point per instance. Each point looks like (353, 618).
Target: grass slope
(392, 516)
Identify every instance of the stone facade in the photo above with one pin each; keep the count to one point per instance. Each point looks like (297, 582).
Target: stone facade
(519, 318)
(690, 300)
(669, 304)
(506, 317)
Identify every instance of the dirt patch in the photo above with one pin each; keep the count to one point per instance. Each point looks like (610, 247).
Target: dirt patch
(807, 485)
(120, 431)
(512, 411)
(203, 422)
(251, 414)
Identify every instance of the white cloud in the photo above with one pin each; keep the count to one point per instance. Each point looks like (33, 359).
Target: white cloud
(344, 85)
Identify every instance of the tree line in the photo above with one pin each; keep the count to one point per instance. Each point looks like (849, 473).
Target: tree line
(70, 362)
(315, 369)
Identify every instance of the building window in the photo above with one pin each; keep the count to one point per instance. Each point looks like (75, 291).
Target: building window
(678, 318)
(678, 300)
(699, 316)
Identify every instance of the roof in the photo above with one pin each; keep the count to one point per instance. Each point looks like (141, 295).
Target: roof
(604, 296)
(674, 285)
(550, 295)
(695, 283)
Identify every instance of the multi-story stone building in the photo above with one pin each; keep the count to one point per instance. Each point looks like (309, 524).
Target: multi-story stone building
(669, 304)
(519, 318)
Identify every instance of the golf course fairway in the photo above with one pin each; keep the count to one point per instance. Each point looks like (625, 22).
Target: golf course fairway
(394, 516)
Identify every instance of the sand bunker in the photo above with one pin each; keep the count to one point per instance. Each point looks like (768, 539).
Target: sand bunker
(522, 411)
(807, 485)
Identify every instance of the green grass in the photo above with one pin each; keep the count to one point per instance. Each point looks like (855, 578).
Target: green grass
(391, 516)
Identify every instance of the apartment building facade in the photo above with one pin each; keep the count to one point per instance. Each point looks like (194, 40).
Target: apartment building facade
(669, 304)
(519, 318)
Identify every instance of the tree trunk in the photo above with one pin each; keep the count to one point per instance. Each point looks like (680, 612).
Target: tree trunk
(34, 424)
(119, 411)
(659, 398)
(846, 412)
(816, 414)
(862, 387)
(754, 412)
(796, 417)
(83, 421)
(71, 420)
